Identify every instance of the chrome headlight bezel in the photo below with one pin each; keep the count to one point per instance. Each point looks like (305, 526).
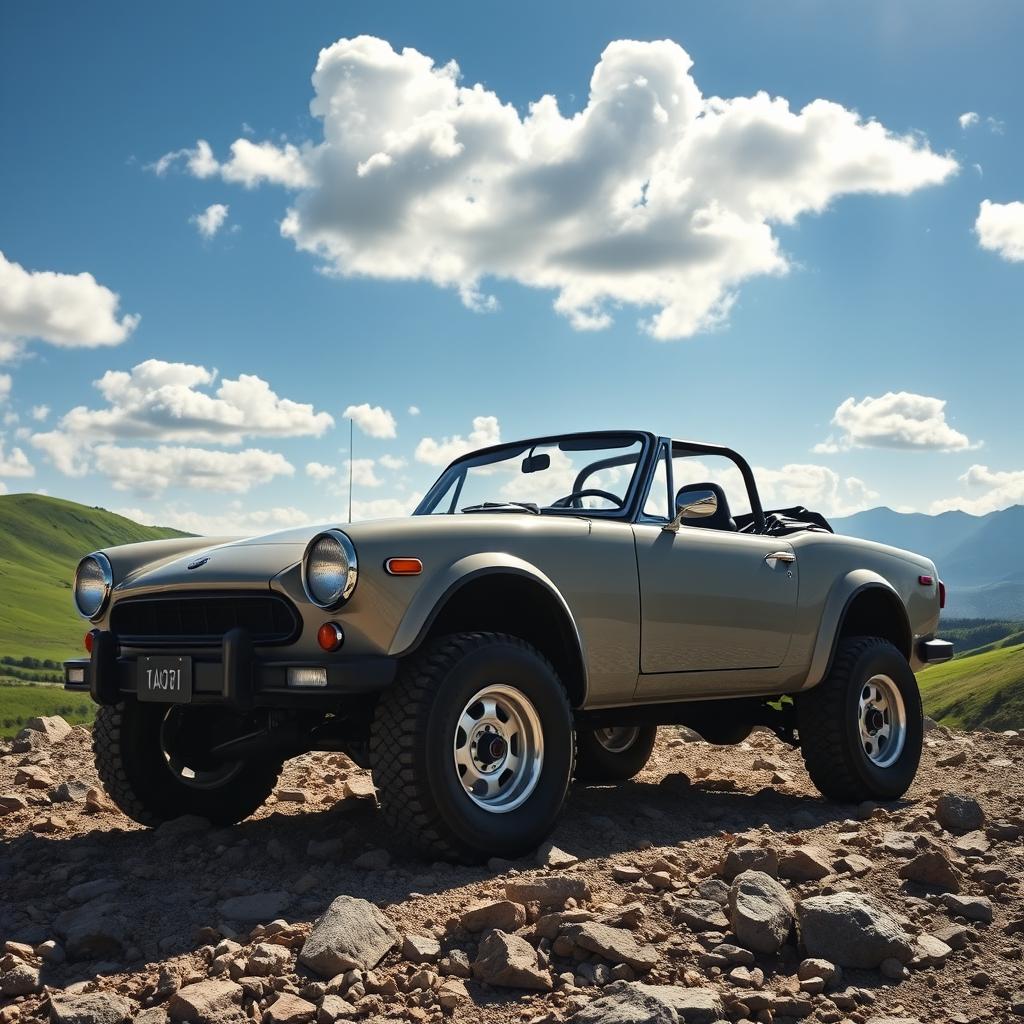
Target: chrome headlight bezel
(347, 571)
(103, 576)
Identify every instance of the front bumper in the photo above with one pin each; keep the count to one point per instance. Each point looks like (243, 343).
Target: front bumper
(237, 675)
(934, 651)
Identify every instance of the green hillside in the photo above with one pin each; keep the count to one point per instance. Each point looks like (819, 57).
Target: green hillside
(41, 542)
(983, 689)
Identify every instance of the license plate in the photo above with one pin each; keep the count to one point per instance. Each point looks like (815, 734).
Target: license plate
(165, 679)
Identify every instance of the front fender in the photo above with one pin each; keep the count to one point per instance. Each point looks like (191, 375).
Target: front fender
(843, 591)
(431, 597)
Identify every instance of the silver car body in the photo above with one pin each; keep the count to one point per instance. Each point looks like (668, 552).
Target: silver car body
(654, 615)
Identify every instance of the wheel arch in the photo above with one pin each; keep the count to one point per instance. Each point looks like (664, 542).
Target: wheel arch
(863, 603)
(497, 592)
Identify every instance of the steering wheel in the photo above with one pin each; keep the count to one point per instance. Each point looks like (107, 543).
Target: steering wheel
(587, 492)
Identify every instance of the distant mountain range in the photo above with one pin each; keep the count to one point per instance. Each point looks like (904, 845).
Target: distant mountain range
(979, 558)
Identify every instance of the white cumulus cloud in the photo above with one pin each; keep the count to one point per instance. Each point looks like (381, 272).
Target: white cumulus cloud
(988, 490)
(816, 487)
(968, 119)
(5, 387)
(384, 508)
(1000, 228)
(14, 463)
(894, 420)
(485, 432)
(371, 419)
(68, 310)
(362, 473)
(40, 412)
(151, 471)
(211, 220)
(652, 196)
(320, 472)
(235, 520)
(392, 462)
(172, 401)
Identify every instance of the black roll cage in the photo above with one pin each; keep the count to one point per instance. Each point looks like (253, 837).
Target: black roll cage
(653, 447)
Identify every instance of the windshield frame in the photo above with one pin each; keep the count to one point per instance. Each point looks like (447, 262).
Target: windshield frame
(633, 498)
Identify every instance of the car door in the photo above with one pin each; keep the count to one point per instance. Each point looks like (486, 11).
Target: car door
(713, 600)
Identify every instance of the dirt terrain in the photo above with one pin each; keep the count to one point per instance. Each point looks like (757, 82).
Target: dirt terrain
(715, 886)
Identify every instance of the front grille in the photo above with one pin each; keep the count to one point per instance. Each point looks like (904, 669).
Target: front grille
(191, 620)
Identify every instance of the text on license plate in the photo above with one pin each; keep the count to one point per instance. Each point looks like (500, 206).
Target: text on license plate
(165, 679)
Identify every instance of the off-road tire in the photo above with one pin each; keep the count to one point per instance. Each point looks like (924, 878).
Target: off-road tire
(411, 748)
(134, 772)
(827, 725)
(596, 763)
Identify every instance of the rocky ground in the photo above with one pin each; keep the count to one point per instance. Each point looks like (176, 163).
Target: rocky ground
(717, 886)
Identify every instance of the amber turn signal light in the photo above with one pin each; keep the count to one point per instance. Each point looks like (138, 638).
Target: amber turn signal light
(330, 636)
(403, 566)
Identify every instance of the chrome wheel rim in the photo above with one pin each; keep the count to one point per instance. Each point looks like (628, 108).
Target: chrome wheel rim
(617, 739)
(498, 749)
(882, 719)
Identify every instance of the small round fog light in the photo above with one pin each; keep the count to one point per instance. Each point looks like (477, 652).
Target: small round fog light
(330, 636)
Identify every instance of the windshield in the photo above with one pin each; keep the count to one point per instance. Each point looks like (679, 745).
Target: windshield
(565, 475)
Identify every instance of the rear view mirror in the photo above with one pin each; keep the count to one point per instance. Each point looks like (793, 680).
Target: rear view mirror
(693, 503)
(696, 504)
(535, 463)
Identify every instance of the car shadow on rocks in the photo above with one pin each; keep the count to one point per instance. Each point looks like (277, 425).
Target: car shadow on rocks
(117, 898)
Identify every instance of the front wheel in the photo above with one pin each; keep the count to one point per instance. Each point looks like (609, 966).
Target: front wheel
(472, 748)
(613, 754)
(861, 728)
(155, 763)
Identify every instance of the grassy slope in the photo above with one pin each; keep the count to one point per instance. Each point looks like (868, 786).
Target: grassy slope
(41, 541)
(20, 702)
(983, 689)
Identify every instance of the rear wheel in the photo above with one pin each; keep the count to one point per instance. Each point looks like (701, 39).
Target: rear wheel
(861, 729)
(472, 748)
(613, 754)
(155, 763)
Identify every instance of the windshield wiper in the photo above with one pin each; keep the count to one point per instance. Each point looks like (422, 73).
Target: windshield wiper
(504, 506)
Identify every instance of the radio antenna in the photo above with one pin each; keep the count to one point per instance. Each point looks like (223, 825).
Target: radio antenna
(351, 458)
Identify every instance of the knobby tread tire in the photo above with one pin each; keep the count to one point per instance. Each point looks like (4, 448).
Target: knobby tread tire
(822, 719)
(131, 767)
(400, 723)
(106, 748)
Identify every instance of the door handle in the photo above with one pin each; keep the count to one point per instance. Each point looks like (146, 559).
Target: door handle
(780, 556)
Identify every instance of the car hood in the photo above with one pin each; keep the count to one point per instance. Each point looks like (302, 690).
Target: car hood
(253, 562)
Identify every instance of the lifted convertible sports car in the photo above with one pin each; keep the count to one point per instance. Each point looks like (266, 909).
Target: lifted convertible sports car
(547, 606)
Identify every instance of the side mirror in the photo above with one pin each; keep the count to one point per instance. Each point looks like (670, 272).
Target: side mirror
(698, 503)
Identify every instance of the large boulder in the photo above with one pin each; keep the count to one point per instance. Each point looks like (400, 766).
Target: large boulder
(509, 961)
(932, 869)
(760, 912)
(548, 890)
(41, 732)
(616, 945)
(959, 814)
(805, 864)
(748, 857)
(352, 933)
(207, 1002)
(635, 1003)
(89, 1008)
(93, 931)
(502, 914)
(851, 930)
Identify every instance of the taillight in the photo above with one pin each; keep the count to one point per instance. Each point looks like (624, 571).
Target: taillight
(88, 641)
(942, 594)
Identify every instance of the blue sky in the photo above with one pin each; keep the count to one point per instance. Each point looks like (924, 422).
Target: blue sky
(888, 290)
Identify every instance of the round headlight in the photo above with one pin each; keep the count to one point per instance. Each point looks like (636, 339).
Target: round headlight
(93, 581)
(329, 569)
